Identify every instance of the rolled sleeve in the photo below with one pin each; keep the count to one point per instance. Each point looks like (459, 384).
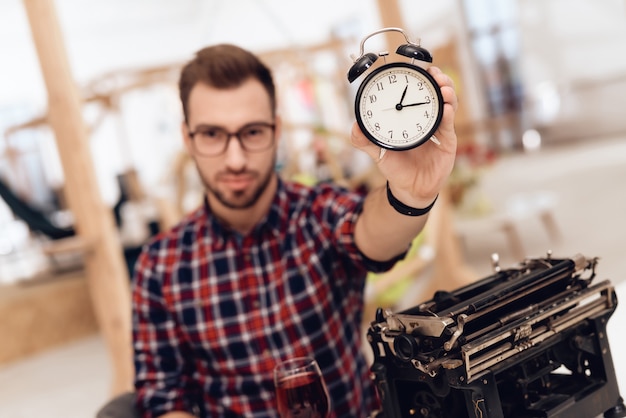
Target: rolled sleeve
(341, 209)
(345, 236)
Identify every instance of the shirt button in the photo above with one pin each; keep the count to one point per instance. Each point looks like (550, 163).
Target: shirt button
(256, 304)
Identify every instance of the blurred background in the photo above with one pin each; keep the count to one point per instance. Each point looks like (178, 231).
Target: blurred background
(541, 161)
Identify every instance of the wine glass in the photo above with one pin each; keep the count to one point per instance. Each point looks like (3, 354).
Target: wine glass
(300, 389)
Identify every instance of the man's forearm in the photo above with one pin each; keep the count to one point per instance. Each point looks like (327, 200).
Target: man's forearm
(381, 232)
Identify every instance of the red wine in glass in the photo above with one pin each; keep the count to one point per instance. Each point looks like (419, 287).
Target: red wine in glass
(300, 389)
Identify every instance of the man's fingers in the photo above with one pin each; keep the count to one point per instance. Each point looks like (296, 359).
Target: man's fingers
(360, 141)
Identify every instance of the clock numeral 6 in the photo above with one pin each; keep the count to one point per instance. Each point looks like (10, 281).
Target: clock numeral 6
(405, 134)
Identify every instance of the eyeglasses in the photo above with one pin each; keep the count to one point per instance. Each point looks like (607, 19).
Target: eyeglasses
(211, 141)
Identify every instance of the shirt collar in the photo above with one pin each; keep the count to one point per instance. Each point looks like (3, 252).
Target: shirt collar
(273, 222)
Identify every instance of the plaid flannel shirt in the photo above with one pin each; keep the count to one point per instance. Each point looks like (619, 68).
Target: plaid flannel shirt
(214, 311)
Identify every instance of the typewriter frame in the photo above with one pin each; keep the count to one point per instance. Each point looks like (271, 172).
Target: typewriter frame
(525, 342)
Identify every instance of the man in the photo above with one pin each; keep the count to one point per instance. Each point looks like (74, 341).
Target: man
(266, 269)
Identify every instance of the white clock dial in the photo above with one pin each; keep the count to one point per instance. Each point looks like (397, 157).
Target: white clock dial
(399, 106)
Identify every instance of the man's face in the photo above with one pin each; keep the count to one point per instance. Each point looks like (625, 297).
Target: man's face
(235, 178)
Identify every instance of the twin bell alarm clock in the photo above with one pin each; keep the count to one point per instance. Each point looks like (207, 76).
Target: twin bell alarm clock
(398, 105)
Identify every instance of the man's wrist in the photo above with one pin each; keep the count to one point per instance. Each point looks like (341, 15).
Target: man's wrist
(406, 209)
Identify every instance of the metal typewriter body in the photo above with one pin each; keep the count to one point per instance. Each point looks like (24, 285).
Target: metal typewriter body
(529, 341)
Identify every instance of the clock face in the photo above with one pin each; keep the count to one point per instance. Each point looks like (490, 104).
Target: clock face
(399, 106)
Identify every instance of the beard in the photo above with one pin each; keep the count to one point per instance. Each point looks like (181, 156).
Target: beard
(238, 201)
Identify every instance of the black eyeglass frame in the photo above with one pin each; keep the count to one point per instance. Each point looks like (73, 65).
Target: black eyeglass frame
(237, 135)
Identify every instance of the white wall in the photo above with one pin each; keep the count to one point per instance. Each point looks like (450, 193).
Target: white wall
(574, 66)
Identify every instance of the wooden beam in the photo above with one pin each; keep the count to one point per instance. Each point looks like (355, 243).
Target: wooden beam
(106, 271)
(391, 16)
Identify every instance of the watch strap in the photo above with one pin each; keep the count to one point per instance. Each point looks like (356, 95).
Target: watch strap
(405, 209)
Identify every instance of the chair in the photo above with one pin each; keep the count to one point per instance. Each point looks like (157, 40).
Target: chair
(121, 406)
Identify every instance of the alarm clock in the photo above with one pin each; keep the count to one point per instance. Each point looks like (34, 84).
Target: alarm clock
(398, 105)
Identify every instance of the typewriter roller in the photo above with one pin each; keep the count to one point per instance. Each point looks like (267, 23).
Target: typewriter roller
(528, 341)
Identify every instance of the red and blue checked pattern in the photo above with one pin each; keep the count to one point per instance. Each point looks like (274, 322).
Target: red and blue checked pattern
(214, 311)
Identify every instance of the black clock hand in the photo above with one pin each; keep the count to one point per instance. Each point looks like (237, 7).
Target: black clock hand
(415, 104)
(400, 106)
(403, 94)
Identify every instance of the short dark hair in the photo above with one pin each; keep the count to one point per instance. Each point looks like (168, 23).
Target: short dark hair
(224, 66)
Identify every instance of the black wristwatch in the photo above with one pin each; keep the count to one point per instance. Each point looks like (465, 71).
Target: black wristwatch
(407, 210)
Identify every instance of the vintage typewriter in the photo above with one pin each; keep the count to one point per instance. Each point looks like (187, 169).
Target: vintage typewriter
(528, 341)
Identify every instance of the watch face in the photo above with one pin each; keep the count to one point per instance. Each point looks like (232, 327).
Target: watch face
(399, 106)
